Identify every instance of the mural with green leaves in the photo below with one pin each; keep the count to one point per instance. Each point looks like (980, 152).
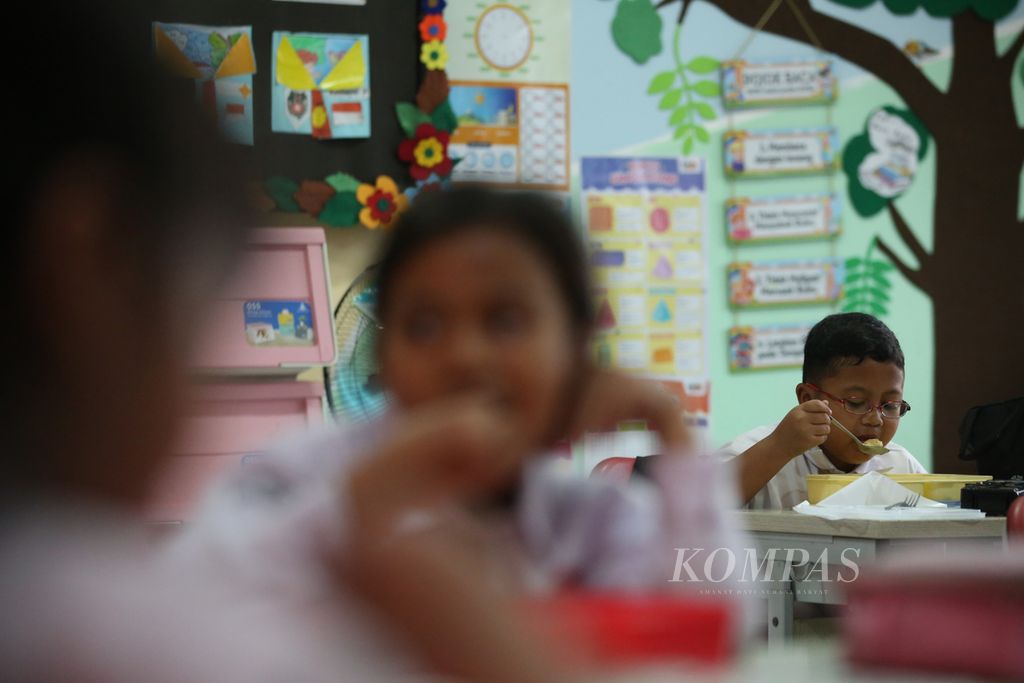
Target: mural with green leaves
(682, 91)
(636, 29)
(974, 228)
(867, 287)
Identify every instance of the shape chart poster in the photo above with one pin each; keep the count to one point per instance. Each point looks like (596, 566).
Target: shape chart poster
(646, 225)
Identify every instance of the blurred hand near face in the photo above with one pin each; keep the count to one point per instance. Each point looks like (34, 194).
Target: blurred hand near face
(453, 450)
(425, 583)
(609, 397)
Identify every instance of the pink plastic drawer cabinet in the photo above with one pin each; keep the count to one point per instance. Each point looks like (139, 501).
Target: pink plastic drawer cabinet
(275, 313)
(228, 426)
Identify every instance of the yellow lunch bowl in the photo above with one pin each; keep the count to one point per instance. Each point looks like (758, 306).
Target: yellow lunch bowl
(940, 487)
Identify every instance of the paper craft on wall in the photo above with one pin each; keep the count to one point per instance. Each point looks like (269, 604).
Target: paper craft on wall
(221, 61)
(321, 85)
(511, 134)
(882, 161)
(765, 219)
(755, 154)
(767, 347)
(773, 84)
(783, 283)
(524, 42)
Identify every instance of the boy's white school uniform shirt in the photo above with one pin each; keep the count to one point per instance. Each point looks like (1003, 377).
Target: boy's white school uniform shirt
(789, 486)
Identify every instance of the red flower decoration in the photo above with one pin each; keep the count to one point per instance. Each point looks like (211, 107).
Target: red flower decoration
(433, 28)
(426, 152)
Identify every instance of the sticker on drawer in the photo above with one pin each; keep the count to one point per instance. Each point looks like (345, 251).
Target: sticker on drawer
(279, 323)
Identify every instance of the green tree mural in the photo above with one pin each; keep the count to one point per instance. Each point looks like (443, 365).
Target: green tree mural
(971, 273)
(636, 30)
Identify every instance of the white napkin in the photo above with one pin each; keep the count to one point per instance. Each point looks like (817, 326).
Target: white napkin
(868, 497)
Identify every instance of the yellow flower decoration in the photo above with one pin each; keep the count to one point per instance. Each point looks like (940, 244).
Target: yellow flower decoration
(429, 152)
(382, 202)
(434, 55)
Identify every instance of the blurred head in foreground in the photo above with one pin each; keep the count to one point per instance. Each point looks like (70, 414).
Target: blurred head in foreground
(486, 293)
(124, 214)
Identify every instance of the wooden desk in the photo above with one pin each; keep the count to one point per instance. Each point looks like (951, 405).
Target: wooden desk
(782, 537)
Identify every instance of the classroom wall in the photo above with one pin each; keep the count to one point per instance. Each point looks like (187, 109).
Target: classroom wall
(612, 114)
(607, 81)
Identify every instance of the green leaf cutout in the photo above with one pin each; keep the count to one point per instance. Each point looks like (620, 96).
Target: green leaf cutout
(704, 109)
(702, 65)
(706, 88)
(343, 182)
(281, 190)
(341, 210)
(662, 82)
(636, 29)
(670, 99)
(410, 117)
(443, 117)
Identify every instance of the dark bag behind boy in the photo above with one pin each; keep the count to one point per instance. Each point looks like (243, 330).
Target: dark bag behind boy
(993, 435)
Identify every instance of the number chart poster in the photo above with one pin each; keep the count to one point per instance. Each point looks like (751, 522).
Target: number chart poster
(511, 134)
(646, 223)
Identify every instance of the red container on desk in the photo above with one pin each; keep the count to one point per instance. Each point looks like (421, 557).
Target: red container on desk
(937, 612)
(638, 629)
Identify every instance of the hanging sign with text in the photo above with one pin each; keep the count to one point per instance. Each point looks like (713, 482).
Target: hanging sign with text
(765, 219)
(764, 153)
(774, 84)
(766, 347)
(783, 283)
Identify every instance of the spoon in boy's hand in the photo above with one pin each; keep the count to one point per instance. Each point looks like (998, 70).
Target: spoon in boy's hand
(861, 446)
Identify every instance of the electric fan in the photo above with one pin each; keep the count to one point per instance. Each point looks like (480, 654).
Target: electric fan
(353, 388)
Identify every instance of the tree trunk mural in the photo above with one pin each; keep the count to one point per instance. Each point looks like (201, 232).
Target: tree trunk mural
(975, 268)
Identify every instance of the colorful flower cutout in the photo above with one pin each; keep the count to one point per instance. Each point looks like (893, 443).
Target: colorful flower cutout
(433, 28)
(382, 202)
(434, 55)
(426, 152)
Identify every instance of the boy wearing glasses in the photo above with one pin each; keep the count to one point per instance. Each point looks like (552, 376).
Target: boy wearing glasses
(853, 372)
